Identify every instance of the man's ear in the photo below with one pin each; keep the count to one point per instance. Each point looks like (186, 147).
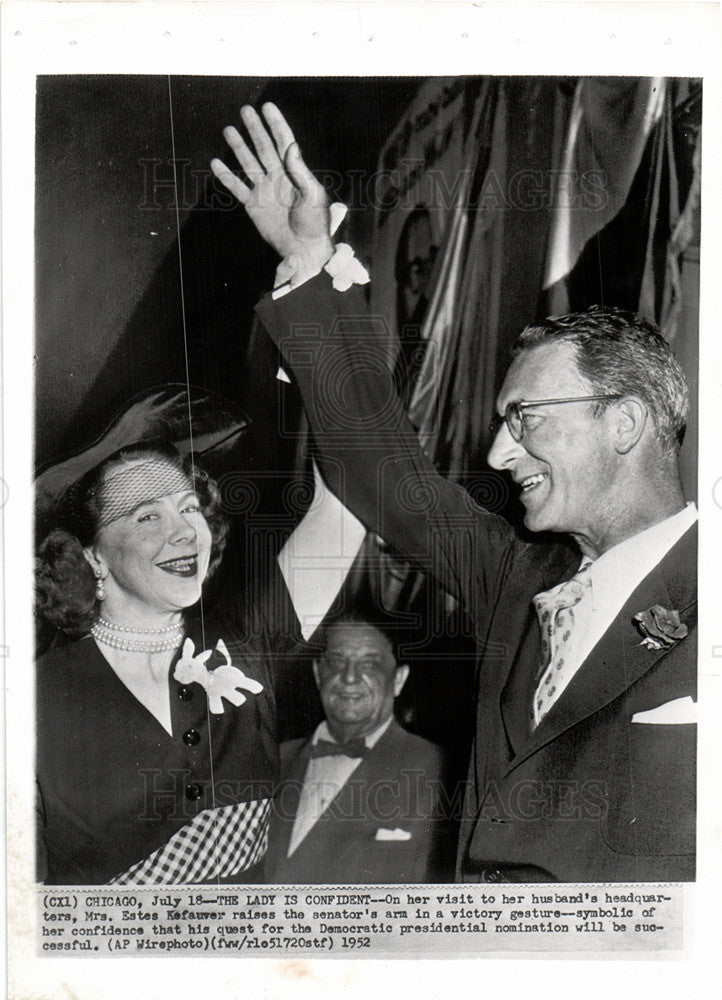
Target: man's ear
(316, 674)
(629, 418)
(402, 672)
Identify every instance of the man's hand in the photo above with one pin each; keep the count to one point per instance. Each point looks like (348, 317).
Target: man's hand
(287, 205)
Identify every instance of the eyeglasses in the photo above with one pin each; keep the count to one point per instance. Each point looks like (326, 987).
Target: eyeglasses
(514, 413)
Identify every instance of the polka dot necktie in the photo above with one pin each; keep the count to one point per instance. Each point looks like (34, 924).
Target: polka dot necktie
(555, 611)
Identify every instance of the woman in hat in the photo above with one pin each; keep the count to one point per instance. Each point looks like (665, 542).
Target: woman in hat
(156, 752)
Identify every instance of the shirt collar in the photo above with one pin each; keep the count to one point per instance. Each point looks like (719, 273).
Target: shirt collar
(371, 739)
(634, 558)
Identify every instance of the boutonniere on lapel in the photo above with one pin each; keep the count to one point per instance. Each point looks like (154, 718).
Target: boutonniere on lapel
(223, 682)
(660, 628)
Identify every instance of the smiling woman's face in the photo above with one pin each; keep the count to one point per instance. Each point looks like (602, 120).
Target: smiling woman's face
(154, 558)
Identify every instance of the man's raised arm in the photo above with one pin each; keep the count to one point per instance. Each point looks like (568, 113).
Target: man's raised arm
(368, 450)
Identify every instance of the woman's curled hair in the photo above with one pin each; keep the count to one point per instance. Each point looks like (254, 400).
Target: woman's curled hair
(64, 583)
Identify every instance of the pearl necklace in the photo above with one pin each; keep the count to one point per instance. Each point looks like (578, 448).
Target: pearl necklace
(107, 633)
(138, 631)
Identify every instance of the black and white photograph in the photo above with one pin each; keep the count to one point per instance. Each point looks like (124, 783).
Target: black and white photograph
(368, 453)
(493, 203)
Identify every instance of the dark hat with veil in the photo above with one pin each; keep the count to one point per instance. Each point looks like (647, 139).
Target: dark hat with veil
(188, 419)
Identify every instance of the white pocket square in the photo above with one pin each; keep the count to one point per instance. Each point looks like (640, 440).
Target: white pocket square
(397, 834)
(672, 713)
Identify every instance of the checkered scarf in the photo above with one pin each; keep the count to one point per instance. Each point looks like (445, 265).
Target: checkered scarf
(217, 844)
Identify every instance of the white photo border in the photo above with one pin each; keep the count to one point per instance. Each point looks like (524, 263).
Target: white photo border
(339, 38)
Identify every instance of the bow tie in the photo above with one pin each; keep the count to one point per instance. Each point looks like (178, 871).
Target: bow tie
(351, 748)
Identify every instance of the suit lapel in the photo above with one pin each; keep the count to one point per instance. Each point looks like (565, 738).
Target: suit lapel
(286, 806)
(517, 693)
(346, 803)
(619, 659)
(326, 835)
(521, 620)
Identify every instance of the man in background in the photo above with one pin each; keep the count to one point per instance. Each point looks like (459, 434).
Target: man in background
(359, 800)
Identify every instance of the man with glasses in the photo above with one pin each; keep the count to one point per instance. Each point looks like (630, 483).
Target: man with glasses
(583, 764)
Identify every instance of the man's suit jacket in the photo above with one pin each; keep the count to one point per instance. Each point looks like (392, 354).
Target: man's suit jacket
(591, 795)
(395, 787)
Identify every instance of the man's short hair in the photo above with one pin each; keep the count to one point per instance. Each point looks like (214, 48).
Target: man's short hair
(618, 352)
(394, 631)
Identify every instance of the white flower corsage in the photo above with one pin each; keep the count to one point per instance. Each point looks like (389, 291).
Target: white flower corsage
(223, 682)
(345, 269)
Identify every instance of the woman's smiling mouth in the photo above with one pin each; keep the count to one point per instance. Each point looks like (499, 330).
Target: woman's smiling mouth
(183, 566)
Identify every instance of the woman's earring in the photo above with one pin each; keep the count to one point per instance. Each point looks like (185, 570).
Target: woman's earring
(99, 586)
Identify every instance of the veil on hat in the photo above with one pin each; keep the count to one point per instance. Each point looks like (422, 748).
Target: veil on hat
(189, 418)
